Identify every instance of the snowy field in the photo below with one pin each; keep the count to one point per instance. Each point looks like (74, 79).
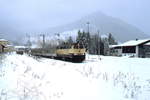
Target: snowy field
(112, 78)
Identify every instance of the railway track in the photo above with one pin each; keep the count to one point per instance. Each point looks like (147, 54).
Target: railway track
(74, 59)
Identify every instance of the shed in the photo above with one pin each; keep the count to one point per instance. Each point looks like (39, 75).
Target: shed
(2, 48)
(3, 44)
(137, 48)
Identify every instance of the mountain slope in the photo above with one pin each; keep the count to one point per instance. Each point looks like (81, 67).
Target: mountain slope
(121, 30)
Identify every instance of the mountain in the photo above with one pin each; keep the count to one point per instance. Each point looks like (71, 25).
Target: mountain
(121, 30)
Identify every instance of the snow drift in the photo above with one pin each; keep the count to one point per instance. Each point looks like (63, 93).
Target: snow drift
(23, 77)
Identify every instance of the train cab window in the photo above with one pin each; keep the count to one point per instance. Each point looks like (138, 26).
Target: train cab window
(76, 46)
(81, 46)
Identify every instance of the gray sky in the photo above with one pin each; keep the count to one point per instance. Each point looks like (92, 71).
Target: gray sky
(31, 15)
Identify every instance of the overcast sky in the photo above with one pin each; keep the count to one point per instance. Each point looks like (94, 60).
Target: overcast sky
(39, 14)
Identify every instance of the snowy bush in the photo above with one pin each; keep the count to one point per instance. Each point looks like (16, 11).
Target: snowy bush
(128, 83)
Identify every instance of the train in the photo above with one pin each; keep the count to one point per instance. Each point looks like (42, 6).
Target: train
(75, 52)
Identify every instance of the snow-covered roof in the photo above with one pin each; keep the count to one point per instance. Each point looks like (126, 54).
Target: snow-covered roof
(104, 36)
(147, 43)
(113, 46)
(35, 46)
(9, 45)
(3, 40)
(20, 47)
(134, 42)
(131, 43)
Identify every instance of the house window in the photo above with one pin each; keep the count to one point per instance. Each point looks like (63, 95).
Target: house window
(129, 49)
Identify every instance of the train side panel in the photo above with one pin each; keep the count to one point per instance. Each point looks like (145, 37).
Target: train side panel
(75, 55)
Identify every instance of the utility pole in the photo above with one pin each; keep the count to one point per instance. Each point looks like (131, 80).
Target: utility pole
(88, 35)
(43, 38)
(58, 40)
(88, 38)
(99, 44)
(88, 26)
(28, 41)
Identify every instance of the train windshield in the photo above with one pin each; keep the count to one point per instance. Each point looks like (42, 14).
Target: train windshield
(78, 46)
(68, 46)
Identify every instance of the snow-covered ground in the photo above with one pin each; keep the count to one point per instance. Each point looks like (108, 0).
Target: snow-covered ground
(112, 78)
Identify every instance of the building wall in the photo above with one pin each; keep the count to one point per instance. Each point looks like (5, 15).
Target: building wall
(116, 52)
(1, 48)
(147, 51)
(141, 51)
(4, 46)
(4, 42)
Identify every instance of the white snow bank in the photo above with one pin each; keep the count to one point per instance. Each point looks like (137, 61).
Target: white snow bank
(111, 78)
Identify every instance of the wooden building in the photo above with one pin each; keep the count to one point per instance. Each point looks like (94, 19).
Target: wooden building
(2, 48)
(132, 48)
(4, 45)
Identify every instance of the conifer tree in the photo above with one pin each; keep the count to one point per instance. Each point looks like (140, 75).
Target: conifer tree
(111, 40)
(70, 40)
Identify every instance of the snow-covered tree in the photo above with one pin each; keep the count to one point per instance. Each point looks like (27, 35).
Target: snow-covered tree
(111, 39)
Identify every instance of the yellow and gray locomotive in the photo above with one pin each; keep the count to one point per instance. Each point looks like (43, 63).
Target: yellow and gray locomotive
(73, 52)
